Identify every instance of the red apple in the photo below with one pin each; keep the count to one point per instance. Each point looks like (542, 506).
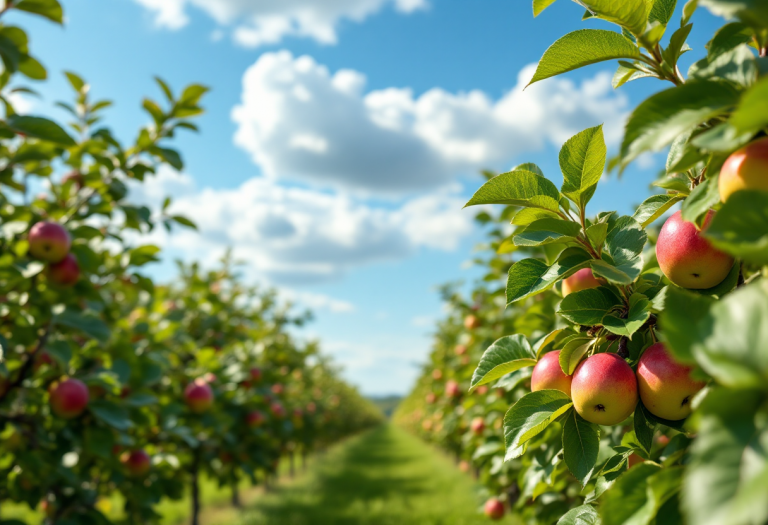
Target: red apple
(437, 374)
(49, 241)
(255, 419)
(687, 258)
(69, 398)
(666, 386)
(431, 398)
(745, 169)
(64, 273)
(277, 410)
(477, 426)
(482, 390)
(633, 460)
(75, 177)
(580, 280)
(464, 465)
(452, 389)
(460, 350)
(426, 424)
(277, 389)
(494, 509)
(548, 375)
(311, 407)
(604, 389)
(471, 322)
(199, 396)
(256, 374)
(136, 463)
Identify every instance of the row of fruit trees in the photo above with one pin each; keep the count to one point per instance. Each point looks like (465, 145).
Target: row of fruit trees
(606, 370)
(114, 387)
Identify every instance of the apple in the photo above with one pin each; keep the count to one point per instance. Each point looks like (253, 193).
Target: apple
(426, 424)
(75, 177)
(464, 465)
(662, 440)
(198, 396)
(255, 419)
(604, 389)
(745, 169)
(687, 258)
(665, 385)
(311, 407)
(477, 426)
(548, 375)
(471, 322)
(277, 389)
(452, 389)
(431, 398)
(69, 398)
(210, 377)
(465, 360)
(64, 273)
(482, 390)
(460, 349)
(255, 374)
(49, 241)
(136, 463)
(437, 374)
(277, 410)
(633, 460)
(580, 280)
(494, 509)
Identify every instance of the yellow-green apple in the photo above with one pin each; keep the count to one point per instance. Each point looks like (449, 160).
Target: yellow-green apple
(494, 509)
(477, 426)
(426, 424)
(471, 322)
(687, 258)
(255, 418)
(745, 169)
(136, 463)
(69, 398)
(64, 273)
(580, 280)
(49, 241)
(604, 389)
(666, 386)
(198, 396)
(437, 374)
(547, 375)
(452, 389)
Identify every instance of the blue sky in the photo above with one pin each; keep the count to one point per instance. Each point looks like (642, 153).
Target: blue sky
(341, 139)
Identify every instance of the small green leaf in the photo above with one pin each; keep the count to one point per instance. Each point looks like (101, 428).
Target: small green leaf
(50, 9)
(700, 201)
(639, 312)
(40, 128)
(662, 11)
(740, 228)
(631, 15)
(531, 276)
(582, 515)
(518, 188)
(582, 160)
(624, 245)
(111, 414)
(582, 48)
(573, 352)
(547, 231)
(728, 37)
(682, 310)
(531, 415)
(581, 443)
(654, 207)
(506, 355)
(87, 323)
(77, 83)
(541, 5)
(752, 112)
(597, 234)
(644, 427)
(588, 307)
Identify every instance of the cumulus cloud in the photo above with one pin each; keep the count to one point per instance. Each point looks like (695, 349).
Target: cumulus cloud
(299, 121)
(259, 22)
(294, 236)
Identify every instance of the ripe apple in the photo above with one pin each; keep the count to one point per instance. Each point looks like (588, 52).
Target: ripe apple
(477, 426)
(494, 509)
(277, 389)
(482, 390)
(277, 410)
(64, 273)
(255, 419)
(49, 241)
(464, 465)
(687, 258)
(311, 407)
(604, 389)
(437, 374)
(452, 389)
(75, 177)
(633, 460)
(136, 463)
(460, 349)
(199, 396)
(431, 398)
(426, 424)
(547, 374)
(666, 386)
(471, 322)
(580, 280)
(69, 398)
(745, 169)
(255, 374)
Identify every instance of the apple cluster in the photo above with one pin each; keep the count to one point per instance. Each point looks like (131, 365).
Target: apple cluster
(50, 242)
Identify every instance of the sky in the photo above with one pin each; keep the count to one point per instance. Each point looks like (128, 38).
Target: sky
(341, 140)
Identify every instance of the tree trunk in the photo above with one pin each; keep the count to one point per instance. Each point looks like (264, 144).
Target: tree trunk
(195, 487)
(236, 494)
(291, 467)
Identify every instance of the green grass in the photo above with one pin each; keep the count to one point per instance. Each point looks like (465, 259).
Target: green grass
(384, 477)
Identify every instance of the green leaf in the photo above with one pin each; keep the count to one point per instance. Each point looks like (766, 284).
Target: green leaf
(572, 353)
(191, 94)
(677, 45)
(87, 323)
(597, 234)
(632, 15)
(751, 12)
(506, 355)
(531, 415)
(184, 221)
(682, 311)
(624, 245)
(661, 118)
(511, 380)
(61, 351)
(728, 37)
(40, 128)
(541, 346)
(737, 65)
(700, 201)
(50, 9)
(639, 312)
(588, 307)
(726, 477)
(518, 188)
(111, 414)
(541, 5)
(582, 515)
(752, 113)
(170, 156)
(582, 48)
(581, 443)
(730, 339)
(531, 276)
(662, 11)
(526, 216)
(722, 138)
(75, 80)
(740, 228)
(627, 73)
(627, 501)
(31, 68)
(644, 427)
(582, 160)
(654, 207)
(547, 231)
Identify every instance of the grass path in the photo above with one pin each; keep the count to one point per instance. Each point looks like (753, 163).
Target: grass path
(383, 477)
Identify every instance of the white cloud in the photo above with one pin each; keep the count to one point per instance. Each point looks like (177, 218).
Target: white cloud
(292, 235)
(318, 302)
(299, 121)
(259, 22)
